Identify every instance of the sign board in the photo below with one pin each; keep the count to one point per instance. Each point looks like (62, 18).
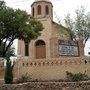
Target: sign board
(68, 48)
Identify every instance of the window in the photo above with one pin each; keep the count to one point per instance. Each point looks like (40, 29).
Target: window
(47, 10)
(26, 49)
(40, 43)
(39, 10)
(33, 11)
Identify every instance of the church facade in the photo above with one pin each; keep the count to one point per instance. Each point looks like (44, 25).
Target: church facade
(42, 10)
(53, 53)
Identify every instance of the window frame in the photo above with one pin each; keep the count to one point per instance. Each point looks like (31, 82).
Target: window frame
(39, 10)
(47, 10)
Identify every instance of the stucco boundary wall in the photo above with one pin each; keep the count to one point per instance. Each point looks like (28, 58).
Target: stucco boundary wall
(47, 86)
(52, 68)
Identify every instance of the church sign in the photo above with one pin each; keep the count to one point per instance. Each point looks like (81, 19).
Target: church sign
(68, 48)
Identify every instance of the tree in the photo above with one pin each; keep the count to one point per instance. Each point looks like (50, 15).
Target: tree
(15, 24)
(70, 25)
(80, 24)
(9, 67)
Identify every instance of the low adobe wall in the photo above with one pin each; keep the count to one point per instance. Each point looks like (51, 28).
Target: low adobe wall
(53, 68)
(50, 69)
(2, 71)
(48, 86)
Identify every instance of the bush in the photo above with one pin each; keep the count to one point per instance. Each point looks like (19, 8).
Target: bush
(24, 78)
(8, 73)
(76, 77)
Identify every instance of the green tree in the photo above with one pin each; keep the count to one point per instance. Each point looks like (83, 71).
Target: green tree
(80, 24)
(15, 24)
(9, 67)
(70, 25)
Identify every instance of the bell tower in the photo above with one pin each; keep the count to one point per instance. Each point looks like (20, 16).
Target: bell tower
(42, 9)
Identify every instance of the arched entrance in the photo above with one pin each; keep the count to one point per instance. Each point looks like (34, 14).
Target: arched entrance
(40, 49)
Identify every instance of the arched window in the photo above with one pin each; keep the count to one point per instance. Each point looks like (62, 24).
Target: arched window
(40, 43)
(39, 9)
(47, 10)
(33, 11)
(26, 49)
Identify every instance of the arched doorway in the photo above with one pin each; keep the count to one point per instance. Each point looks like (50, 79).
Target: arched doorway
(40, 49)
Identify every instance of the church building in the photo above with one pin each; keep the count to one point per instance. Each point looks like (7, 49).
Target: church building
(53, 53)
(46, 45)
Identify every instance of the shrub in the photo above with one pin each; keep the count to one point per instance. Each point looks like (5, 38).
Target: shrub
(24, 78)
(1, 88)
(9, 72)
(76, 77)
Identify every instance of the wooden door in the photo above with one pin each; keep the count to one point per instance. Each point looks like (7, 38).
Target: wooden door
(40, 51)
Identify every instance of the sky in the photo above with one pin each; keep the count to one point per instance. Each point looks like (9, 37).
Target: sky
(60, 9)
